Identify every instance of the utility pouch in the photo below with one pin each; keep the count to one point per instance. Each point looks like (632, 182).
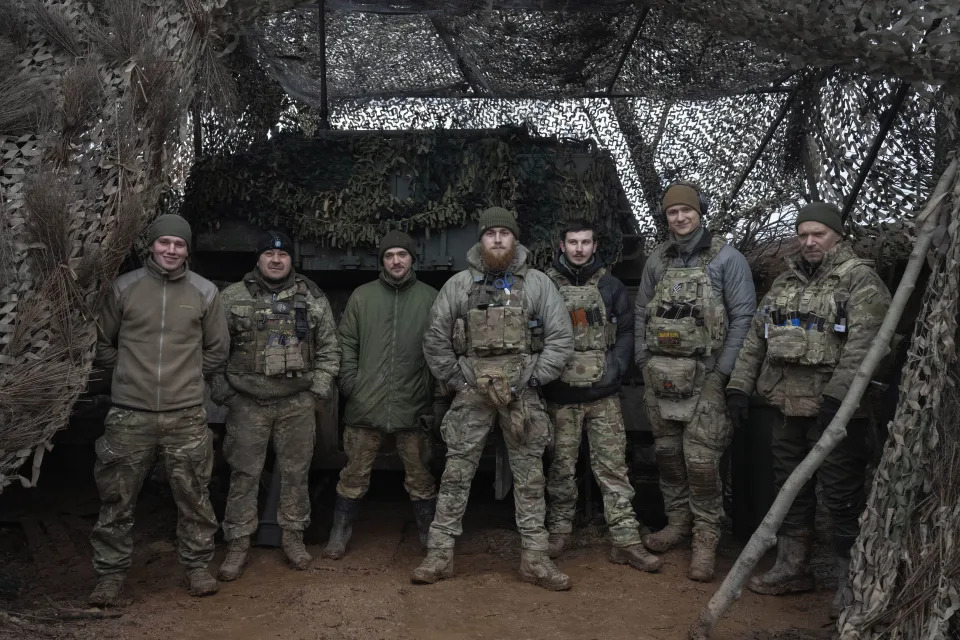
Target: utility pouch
(293, 356)
(610, 333)
(674, 377)
(274, 357)
(584, 368)
(498, 377)
(786, 344)
(459, 337)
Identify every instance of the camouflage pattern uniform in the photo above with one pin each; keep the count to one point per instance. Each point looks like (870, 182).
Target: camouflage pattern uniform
(283, 360)
(362, 445)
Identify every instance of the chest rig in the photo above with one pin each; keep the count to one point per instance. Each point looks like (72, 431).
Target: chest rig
(806, 323)
(685, 323)
(594, 330)
(271, 335)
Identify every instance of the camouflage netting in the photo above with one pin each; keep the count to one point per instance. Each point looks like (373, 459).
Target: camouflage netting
(767, 105)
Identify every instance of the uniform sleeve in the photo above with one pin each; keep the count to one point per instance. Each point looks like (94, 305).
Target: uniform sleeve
(438, 338)
(623, 312)
(216, 337)
(868, 305)
(349, 337)
(754, 349)
(326, 361)
(108, 328)
(557, 332)
(644, 296)
(740, 302)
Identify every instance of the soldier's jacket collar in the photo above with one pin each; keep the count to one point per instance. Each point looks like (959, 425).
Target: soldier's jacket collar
(577, 275)
(256, 284)
(390, 283)
(160, 273)
(833, 257)
(518, 267)
(673, 246)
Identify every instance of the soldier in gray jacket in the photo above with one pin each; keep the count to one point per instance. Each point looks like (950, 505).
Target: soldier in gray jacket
(693, 311)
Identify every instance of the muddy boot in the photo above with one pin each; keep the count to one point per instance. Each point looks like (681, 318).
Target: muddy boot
(200, 583)
(791, 572)
(844, 595)
(675, 534)
(557, 543)
(344, 513)
(637, 556)
(235, 560)
(423, 511)
(292, 544)
(108, 589)
(537, 568)
(704, 558)
(436, 566)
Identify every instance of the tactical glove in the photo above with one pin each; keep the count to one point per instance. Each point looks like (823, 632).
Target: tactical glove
(220, 390)
(738, 407)
(828, 409)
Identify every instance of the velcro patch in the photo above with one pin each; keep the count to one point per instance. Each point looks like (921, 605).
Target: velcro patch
(671, 338)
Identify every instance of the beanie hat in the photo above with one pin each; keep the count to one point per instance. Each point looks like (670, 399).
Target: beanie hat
(169, 224)
(397, 240)
(274, 239)
(498, 217)
(681, 193)
(822, 212)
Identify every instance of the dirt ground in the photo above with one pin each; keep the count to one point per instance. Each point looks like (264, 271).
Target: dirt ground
(45, 569)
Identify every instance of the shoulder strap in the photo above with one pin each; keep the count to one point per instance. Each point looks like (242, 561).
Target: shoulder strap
(716, 246)
(306, 284)
(595, 278)
(558, 278)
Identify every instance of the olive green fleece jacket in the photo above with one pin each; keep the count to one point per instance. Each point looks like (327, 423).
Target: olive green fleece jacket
(161, 333)
(383, 373)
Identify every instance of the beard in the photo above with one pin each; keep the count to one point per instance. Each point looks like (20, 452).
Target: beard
(498, 263)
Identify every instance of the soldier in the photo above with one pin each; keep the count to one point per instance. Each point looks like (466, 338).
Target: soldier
(498, 331)
(809, 335)
(162, 329)
(693, 309)
(584, 397)
(283, 360)
(388, 387)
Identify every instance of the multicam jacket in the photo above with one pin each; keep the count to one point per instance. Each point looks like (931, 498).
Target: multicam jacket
(811, 332)
(280, 343)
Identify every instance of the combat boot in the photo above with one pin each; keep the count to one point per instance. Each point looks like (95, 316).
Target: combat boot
(235, 560)
(108, 589)
(675, 534)
(537, 568)
(844, 595)
(637, 556)
(791, 572)
(704, 558)
(438, 565)
(292, 544)
(200, 583)
(557, 543)
(423, 512)
(344, 513)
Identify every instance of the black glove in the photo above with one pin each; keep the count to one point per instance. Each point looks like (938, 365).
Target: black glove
(828, 409)
(738, 407)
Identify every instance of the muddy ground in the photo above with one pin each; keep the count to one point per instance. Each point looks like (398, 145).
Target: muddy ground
(45, 569)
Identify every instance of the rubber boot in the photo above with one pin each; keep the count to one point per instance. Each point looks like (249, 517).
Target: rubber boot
(235, 559)
(791, 572)
(675, 534)
(292, 544)
(843, 596)
(423, 512)
(537, 568)
(704, 558)
(557, 543)
(344, 514)
(108, 590)
(637, 556)
(200, 583)
(438, 565)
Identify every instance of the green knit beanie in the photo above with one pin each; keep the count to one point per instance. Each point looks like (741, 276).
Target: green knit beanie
(397, 240)
(498, 217)
(822, 212)
(169, 224)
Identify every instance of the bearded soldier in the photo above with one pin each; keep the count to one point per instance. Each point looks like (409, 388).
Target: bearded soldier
(388, 387)
(584, 398)
(808, 338)
(693, 310)
(284, 357)
(498, 331)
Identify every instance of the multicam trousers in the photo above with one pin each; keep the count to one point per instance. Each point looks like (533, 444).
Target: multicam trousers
(362, 445)
(688, 457)
(526, 431)
(250, 425)
(603, 423)
(125, 454)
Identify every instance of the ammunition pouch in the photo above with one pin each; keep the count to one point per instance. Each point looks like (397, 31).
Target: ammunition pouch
(496, 330)
(676, 384)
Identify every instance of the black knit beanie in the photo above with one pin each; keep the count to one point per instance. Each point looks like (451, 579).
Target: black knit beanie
(397, 240)
(822, 212)
(274, 239)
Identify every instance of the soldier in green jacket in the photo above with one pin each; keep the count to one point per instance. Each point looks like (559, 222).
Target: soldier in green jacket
(388, 387)
(283, 359)
(806, 342)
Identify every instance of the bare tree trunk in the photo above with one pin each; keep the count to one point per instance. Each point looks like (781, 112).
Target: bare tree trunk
(765, 536)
